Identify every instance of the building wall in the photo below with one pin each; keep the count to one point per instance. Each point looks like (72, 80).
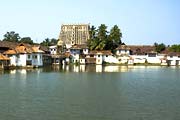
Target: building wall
(110, 59)
(74, 34)
(99, 59)
(13, 60)
(21, 60)
(122, 52)
(53, 50)
(85, 51)
(37, 59)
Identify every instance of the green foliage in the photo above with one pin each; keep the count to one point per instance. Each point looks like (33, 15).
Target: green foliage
(100, 39)
(26, 40)
(11, 37)
(159, 47)
(175, 48)
(49, 42)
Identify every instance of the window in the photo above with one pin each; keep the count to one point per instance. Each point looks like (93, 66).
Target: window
(29, 56)
(18, 56)
(35, 57)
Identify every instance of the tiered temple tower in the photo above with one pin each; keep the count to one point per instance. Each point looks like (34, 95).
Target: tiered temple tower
(72, 34)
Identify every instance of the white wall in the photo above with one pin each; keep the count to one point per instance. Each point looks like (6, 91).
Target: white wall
(21, 60)
(37, 59)
(85, 51)
(53, 49)
(122, 52)
(82, 61)
(110, 59)
(99, 59)
(13, 60)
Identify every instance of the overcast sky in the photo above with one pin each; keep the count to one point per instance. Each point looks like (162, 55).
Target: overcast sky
(141, 21)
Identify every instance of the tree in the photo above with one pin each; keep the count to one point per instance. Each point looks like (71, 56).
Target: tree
(92, 32)
(48, 42)
(116, 35)
(114, 38)
(159, 47)
(53, 41)
(100, 39)
(26, 40)
(11, 37)
(175, 48)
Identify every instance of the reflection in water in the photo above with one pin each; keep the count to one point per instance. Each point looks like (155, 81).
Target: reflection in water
(82, 68)
(90, 68)
(55, 93)
(98, 68)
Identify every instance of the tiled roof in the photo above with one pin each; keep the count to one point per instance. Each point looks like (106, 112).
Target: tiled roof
(104, 52)
(82, 46)
(2, 57)
(170, 53)
(123, 47)
(37, 49)
(67, 54)
(24, 48)
(8, 44)
(10, 52)
(141, 49)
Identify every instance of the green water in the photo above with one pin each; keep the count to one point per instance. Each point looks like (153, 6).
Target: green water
(91, 93)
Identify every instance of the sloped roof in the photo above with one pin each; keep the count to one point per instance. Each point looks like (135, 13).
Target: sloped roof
(141, 49)
(10, 52)
(10, 45)
(24, 48)
(123, 47)
(170, 53)
(67, 54)
(2, 57)
(104, 52)
(82, 46)
(37, 49)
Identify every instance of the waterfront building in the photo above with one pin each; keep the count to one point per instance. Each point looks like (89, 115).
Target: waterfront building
(72, 34)
(53, 49)
(24, 55)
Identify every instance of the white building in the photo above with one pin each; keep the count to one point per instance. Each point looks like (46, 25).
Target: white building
(25, 55)
(53, 49)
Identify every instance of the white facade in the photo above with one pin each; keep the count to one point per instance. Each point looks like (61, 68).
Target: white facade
(85, 51)
(173, 60)
(21, 60)
(99, 59)
(37, 59)
(110, 59)
(12, 60)
(82, 61)
(123, 52)
(53, 50)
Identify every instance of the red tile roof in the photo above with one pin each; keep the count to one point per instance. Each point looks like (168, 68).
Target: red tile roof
(104, 52)
(2, 57)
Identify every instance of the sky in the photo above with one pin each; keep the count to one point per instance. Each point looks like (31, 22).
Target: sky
(142, 22)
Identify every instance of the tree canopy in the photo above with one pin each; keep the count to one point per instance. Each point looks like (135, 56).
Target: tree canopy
(11, 37)
(26, 40)
(101, 39)
(159, 47)
(49, 42)
(175, 48)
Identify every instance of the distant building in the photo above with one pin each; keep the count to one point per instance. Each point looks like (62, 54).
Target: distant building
(72, 34)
